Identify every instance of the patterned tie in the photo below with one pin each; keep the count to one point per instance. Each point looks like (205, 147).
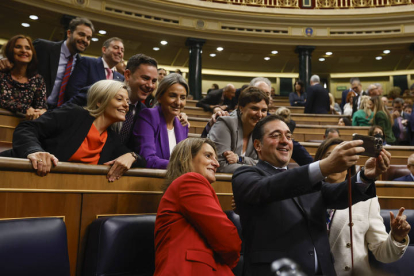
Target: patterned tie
(65, 79)
(109, 75)
(126, 126)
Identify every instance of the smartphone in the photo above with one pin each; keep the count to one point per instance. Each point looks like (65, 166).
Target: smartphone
(372, 145)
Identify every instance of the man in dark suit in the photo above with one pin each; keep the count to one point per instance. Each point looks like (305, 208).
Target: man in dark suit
(283, 213)
(410, 166)
(401, 127)
(90, 70)
(221, 99)
(317, 101)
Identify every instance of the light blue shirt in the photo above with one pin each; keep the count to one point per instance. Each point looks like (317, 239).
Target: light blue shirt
(63, 61)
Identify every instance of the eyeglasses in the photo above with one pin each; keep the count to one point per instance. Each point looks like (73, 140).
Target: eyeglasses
(278, 136)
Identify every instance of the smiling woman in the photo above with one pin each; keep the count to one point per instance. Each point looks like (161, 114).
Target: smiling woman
(76, 134)
(190, 221)
(22, 89)
(232, 134)
(157, 130)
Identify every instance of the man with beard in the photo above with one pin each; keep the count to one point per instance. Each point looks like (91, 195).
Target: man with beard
(90, 70)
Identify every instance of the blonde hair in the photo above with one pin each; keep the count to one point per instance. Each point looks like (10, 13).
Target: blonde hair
(100, 94)
(378, 107)
(182, 157)
(364, 105)
(284, 113)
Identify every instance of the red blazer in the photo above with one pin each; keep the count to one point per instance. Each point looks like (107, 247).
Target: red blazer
(193, 236)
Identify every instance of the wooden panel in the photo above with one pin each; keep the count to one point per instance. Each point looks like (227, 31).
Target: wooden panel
(6, 133)
(12, 121)
(19, 205)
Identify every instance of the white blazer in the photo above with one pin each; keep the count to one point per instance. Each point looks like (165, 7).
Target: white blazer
(368, 233)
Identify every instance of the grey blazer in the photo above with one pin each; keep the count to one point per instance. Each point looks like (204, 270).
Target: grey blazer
(227, 134)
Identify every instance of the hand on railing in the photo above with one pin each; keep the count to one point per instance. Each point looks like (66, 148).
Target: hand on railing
(42, 162)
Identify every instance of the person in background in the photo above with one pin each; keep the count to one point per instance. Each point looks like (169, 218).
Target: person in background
(214, 86)
(161, 74)
(364, 114)
(331, 132)
(378, 131)
(334, 107)
(383, 118)
(317, 101)
(401, 127)
(284, 112)
(232, 134)
(384, 100)
(157, 130)
(410, 167)
(368, 230)
(121, 67)
(344, 121)
(193, 236)
(349, 104)
(77, 134)
(408, 109)
(22, 89)
(219, 100)
(298, 96)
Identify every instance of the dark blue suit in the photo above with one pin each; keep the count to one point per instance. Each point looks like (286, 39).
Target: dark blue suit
(87, 72)
(318, 100)
(404, 178)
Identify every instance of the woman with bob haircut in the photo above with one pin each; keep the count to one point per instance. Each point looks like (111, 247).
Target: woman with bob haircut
(193, 236)
(364, 115)
(368, 228)
(233, 134)
(157, 130)
(76, 134)
(22, 89)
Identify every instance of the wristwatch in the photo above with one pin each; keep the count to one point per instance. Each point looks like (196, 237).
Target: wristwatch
(241, 160)
(363, 177)
(134, 155)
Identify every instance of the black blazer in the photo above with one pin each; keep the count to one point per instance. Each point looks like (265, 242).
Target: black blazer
(48, 55)
(61, 132)
(318, 100)
(87, 71)
(213, 98)
(283, 215)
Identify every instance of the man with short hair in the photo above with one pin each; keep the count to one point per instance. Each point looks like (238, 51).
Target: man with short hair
(317, 101)
(372, 90)
(357, 88)
(331, 132)
(91, 70)
(219, 100)
(283, 212)
(410, 166)
(345, 92)
(380, 89)
(401, 127)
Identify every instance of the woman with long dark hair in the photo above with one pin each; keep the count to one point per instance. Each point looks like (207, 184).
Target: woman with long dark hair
(298, 96)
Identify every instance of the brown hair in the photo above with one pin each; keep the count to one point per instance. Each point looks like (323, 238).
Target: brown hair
(379, 106)
(9, 53)
(252, 95)
(182, 157)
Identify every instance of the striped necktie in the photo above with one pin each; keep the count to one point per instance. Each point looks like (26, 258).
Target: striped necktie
(65, 80)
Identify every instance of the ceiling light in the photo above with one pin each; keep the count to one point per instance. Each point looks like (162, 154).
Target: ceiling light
(163, 42)
(266, 58)
(378, 58)
(386, 51)
(102, 32)
(156, 48)
(275, 52)
(220, 49)
(95, 39)
(321, 59)
(328, 53)
(26, 25)
(34, 17)
(212, 55)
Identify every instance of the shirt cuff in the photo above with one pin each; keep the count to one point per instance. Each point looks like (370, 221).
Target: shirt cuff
(362, 186)
(315, 174)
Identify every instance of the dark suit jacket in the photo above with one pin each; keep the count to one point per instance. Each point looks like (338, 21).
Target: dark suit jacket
(48, 55)
(404, 178)
(318, 100)
(213, 98)
(87, 72)
(397, 132)
(60, 132)
(283, 215)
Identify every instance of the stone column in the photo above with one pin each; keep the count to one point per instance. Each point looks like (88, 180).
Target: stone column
(305, 63)
(195, 46)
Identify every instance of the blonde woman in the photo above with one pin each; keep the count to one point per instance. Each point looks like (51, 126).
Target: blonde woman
(364, 115)
(284, 112)
(77, 134)
(383, 118)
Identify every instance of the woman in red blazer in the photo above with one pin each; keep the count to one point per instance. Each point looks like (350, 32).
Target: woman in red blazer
(193, 236)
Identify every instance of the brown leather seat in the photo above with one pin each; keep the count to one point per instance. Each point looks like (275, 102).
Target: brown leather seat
(395, 171)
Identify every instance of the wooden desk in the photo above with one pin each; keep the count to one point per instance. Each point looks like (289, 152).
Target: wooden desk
(8, 122)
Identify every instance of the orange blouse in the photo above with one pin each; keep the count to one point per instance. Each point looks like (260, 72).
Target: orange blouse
(91, 148)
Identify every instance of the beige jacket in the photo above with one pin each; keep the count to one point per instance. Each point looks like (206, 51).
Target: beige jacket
(368, 233)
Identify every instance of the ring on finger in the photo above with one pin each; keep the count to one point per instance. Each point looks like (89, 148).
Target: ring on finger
(39, 160)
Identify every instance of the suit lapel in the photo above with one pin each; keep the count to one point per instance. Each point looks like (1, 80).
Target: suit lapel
(54, 62)
(164, 145)
(100, 69)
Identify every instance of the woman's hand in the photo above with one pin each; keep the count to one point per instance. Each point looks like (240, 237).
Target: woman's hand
(231, 157)
(119, 166)
(42, 162)
(30, 113)
(183, 119)
(399, 225)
